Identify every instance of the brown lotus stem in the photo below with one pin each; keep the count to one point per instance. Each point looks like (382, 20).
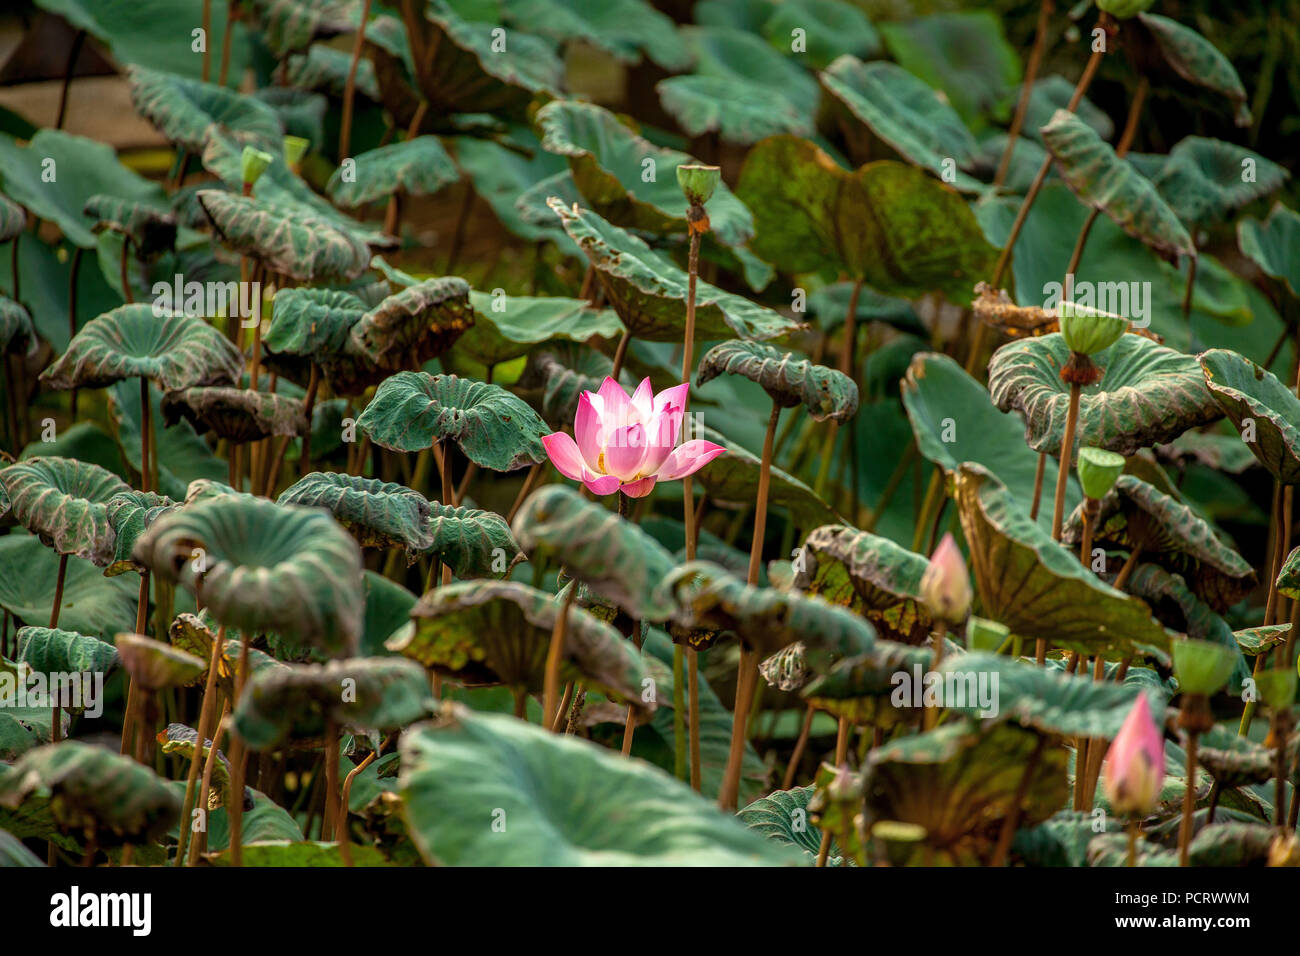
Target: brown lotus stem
(1067, 458)
(462, 220)
(797, 755)
(1189, 800)
(620, 353)
(1127, 570)
(199, 844)
(1091, 510)
(1012, 819)
(58, 591)
(527, 486)
(1132, 843)
(350, 87)
(847, 354)
(1189, 288)
(575, 714)
(931, 716)
(330, 820)
(554, 654)
(565, 701)
(69, 68)
(693, 724)
(232, 17)
(841, 754)
(205, 720)
(308, 404)
(345, 838)
(141, 621)
(1045, 11)
(393, 215)
(681, 734)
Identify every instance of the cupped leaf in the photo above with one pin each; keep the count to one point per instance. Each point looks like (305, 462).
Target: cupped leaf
(736, 110)
(236, 414)
(1260, 406)
(297, 701)
(1196, 60)
(648, 290)
(1113, 186)
(152, 230)
(897, 228)
(412, 410)
(1237, 761)
(615, 558)
(172, 350)
(1148, 394)
(380, 514)
(472, 543)
(869, 574)
(414, 325)
(1288, 579)
(1134, 514)
(1036, 587)
(313, 327)
(824, 392)
(414, 167)
(92, 789)
(186, 110)
(92, 603)
(1207, 180)
(155, 665)
(260, 567)
(63, 500)
(1270, 244)
(913, 118)
(569, 802)
(608, 161)
(485, 633)
(507, 327)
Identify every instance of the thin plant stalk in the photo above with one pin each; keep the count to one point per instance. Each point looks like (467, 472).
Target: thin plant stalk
(1189, 801)
(56, 729)
(797, 755)
(1045, 11)
(345, 838)
(1012, 819)
(123, 264)
(1067, 456)
(141, 619)
(205, 719)
(332, 810)
(1039, 472)
(232, 16)
(200, 843)
(841, 754)
(350, 87)
(554, 654)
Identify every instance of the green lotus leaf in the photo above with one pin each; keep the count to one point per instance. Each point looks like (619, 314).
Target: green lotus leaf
(860, 688)
(236, 414)
(52, 650)
(93, 789)
(186, 110)
(734, 476)
(92, 603)
(831, 28)
(17, 334)
(414, 325)
(289, 25)
(739, 54)
(622, 28)
(912, 117)
(289, 239)
(615, 558)
(13, 219)
(182, 741)
(24, 728)
(1232, 843)
(152, 230)
(1237, 761)
(84, 168)
(954, 422)
(1288, 579)
(507, 327)
(413, 167)
(301, 113)
(782, 816)
(155, 665)
(488, 633)
(1148, 394)
(966, 55)
(892, 225)
(1134, 514)
(648, 291)
(1036, 587)
(1260, 406)
(608, 162)
(868, 574)
(1052, 93)
(296, 702)
(472, 543)
(1113, 186)
(62, 501)
(568, 802)
(412, 410)
(1196, 60)
(313, 326)
(380, 514)
(260, 567)
(959, 783)
(736, 110)
(1204, 180)
(1269, 244)
(1037, 698)
(468, 74)
(1111, 849)
(325, 68)
(1257, 640)
(174, 351)
(824, 392)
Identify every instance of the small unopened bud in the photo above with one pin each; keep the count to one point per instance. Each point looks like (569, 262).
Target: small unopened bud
(1098, 470)
(1135, 763)
(945, 586)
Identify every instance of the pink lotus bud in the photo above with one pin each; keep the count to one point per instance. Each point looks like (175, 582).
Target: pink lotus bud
(945, 586)
(1135, 763)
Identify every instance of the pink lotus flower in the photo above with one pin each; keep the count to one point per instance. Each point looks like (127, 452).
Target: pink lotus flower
(1135, 763)
(945, 585)
(627, 444)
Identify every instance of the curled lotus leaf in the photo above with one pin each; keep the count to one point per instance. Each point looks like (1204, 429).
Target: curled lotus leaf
(414, 325)
(495, 429)
(869, 574)
(648, 290)
(507, 327)
(625, 29)
(17, 334)
(736, 110)
(296, 702)
(487, 633)
(1288, 579)
(314, 327)
(93, 789)
(180, 740)
(152, 231)
(259, 566)
(1257, 640)
(289, 25)
(186, 110)
(1112, 185)
(236, 414)
(155, 665)
(789, 380)
(63, 501)
(380, 514)
(190, 634)
(1036, 587)
(1255, 399)
(607, 159)
(613, 557)
(1237, 761)
(859, 688)
(1135, 514)
(13, 219)
(1270, 244)
(1148, 394)
(1196, 60)
(173, 350)
(413, 167)
(52, 650)
(325, 68)
(291, 239)
(734, 476)
(471, 542)
(781, 816)
(1202, 179)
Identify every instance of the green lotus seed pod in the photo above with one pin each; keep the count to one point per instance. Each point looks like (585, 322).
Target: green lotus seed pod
(698, 182)
(1277, 687)
(985, 635)
(295, 148)
(1202, 667)
(253, 163)
(1098, 470)
(1089, 331)
(1123, 9)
